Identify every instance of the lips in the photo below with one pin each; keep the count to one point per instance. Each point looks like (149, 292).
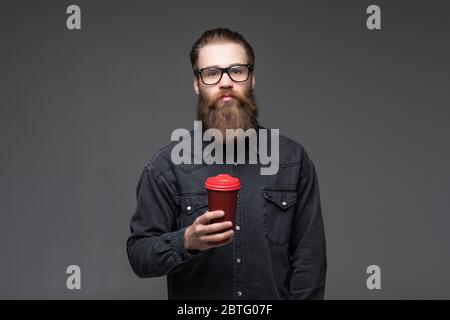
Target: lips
(226, 97)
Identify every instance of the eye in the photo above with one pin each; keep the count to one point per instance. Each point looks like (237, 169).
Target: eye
(237, 70)
(212, 72)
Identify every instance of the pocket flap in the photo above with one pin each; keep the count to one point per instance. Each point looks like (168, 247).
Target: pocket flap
(191, 202)
(284, 199)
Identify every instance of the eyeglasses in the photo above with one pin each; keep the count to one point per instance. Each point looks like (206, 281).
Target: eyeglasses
(212, 75)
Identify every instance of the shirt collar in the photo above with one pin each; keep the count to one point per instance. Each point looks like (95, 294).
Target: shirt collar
(252, 147)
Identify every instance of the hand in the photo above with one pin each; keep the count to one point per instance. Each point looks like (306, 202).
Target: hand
(203, 236)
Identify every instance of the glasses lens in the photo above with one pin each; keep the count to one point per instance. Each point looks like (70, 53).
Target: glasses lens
(239, 73)
(211, 75)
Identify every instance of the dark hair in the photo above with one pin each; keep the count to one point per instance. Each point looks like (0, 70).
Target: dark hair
(220, 35)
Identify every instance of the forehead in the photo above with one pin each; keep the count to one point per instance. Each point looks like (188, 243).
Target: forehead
(221, 54)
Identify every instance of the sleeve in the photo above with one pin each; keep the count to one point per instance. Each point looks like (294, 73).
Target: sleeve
(153, 248)
(308, 247)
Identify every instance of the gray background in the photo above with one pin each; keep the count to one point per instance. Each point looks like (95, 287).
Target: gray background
(82, 111)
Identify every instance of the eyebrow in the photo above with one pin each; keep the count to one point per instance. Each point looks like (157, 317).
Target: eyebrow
(217, 66)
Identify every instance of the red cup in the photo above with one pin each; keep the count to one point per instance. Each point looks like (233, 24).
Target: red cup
(222, 195)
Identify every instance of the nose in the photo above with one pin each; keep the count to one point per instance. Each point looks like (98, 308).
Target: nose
(226, 81)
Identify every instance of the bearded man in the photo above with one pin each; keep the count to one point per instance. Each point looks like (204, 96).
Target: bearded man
(275, 249)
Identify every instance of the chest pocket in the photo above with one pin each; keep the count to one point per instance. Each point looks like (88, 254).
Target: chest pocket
(278, 206)
(192, 205)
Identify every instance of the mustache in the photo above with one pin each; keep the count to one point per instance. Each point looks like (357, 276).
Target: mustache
(244, 99)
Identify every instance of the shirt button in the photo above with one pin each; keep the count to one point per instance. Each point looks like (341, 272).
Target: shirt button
(284, 203)
(238, 260)
(235, 163)
(188, 208)
(239, 293)
(238, 228)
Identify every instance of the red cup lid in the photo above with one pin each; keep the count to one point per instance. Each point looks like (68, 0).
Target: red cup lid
(222, 182)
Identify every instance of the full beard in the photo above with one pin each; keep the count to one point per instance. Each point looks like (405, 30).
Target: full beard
(239, 113)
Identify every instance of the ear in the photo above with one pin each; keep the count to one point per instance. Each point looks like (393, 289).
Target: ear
(253, 80)
(196, 88)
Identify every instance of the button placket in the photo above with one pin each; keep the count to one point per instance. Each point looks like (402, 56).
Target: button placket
(239, 283)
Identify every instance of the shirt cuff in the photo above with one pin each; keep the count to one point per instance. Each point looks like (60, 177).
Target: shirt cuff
(178, 244)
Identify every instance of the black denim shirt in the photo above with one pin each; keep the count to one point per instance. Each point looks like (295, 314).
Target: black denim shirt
(278, 250)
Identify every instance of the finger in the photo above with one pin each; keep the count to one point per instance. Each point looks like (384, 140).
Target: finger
(213, 228)
(209, 215)
(220, 243)
(217, 237)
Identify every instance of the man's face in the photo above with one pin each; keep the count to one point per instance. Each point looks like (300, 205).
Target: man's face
(222, 55)
(227, 104)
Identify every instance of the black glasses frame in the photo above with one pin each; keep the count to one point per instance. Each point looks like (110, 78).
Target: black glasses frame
(198, 73)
